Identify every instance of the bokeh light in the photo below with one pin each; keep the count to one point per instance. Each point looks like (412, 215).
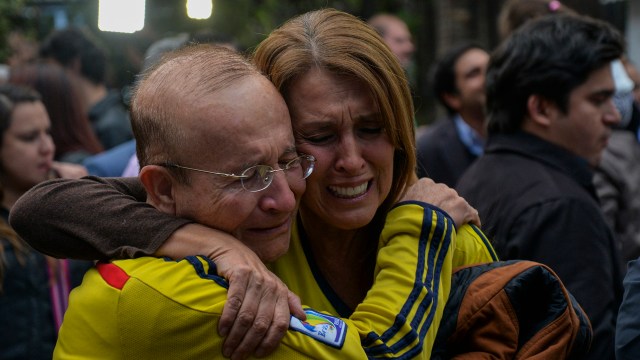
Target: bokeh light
(125, 16)
(199, 9)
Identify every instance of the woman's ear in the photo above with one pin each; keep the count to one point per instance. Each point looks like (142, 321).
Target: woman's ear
(541, 111)
(160, 186)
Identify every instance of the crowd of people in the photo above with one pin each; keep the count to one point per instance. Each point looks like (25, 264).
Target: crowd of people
(232, 188)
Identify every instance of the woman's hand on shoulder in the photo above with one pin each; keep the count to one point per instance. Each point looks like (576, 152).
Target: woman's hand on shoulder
(445, 198)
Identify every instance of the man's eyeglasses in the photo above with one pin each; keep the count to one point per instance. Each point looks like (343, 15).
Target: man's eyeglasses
(259, 177)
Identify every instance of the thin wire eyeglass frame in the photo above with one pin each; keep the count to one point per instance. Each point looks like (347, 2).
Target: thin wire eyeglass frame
(263, 174)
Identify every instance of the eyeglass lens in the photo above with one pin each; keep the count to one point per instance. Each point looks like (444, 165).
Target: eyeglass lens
(259, 177)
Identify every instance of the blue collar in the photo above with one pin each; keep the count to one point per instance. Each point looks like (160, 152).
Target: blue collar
(469, 137)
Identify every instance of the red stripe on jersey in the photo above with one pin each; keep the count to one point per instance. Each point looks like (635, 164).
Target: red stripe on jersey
(113, 275)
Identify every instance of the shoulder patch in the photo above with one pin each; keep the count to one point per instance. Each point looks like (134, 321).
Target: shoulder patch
(112, 274)
(322, 327)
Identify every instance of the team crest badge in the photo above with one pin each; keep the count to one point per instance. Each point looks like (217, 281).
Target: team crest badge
(322, 327)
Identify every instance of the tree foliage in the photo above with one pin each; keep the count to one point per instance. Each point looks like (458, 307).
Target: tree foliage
(10, 18)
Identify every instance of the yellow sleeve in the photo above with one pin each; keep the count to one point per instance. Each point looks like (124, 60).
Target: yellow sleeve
(400, 315)
(149, 308)
(89, 329)
(472, 247)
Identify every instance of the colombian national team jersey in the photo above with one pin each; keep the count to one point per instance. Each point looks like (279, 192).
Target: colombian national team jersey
(150, 308)
(410, 219)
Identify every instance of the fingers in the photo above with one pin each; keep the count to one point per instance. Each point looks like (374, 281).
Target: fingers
(277, 330)
(295, 306)
(257, 312)
(246, 335)
(235, 298)
(445, 198)
(464, 213)
(459, 210)
(250, 321)
(474, 218)
(262, 318)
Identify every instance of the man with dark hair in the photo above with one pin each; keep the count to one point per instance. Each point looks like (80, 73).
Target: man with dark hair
(448, 147)
(75, 51)
(550, 112)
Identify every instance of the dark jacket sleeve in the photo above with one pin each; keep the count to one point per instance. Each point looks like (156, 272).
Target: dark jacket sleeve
(574, 241)
(628, 326)
(91, 218)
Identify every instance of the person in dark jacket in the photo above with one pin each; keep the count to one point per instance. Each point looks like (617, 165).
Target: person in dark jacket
(448, 147)
(628, 331)
(550, 113)
(78, 52)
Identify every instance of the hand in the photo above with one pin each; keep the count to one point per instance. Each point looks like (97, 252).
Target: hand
(445, 198)
(68, 170)
(257, 312)
(258, 308)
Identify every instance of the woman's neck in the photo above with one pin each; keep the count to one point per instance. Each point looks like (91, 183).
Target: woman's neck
(346, 258)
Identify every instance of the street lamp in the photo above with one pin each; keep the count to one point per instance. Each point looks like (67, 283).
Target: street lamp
(199, 9)
(125, 16)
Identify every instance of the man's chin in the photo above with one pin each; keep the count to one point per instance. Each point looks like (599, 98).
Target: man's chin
(269, 250)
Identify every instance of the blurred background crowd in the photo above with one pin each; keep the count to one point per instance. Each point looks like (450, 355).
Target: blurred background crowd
(70, 65)
(434, 26)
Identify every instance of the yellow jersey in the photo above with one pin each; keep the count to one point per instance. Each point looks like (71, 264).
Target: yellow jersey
(150, 308)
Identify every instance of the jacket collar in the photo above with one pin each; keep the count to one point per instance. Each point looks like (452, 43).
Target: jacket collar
(533, 147)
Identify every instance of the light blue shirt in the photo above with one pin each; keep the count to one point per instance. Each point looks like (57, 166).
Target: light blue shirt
(469, 137)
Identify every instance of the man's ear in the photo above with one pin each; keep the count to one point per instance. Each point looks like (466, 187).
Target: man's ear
(541, 111)
(452, 100)
(160, 186)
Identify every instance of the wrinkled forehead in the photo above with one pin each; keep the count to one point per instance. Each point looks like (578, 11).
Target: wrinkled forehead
(247, 123)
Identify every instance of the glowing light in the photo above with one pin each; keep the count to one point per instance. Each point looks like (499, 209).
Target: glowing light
(199, 9)
(126, 16)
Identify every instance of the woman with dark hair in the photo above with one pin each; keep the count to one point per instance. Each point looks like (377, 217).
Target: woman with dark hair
(70, 127)
(33, 287)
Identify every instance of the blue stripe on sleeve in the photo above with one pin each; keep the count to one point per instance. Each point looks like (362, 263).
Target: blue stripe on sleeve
(211, 274)
(486, 242)
(432, 278)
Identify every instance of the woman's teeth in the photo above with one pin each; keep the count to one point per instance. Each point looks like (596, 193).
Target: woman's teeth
(349, 191)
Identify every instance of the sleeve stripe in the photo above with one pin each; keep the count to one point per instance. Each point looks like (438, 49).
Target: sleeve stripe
(435, 252)
(487, 243)
(211, 274)
(426, 326)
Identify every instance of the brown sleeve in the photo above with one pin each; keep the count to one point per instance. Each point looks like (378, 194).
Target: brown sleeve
(91, 218)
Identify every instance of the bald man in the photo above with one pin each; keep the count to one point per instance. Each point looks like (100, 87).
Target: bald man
(396, 35)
